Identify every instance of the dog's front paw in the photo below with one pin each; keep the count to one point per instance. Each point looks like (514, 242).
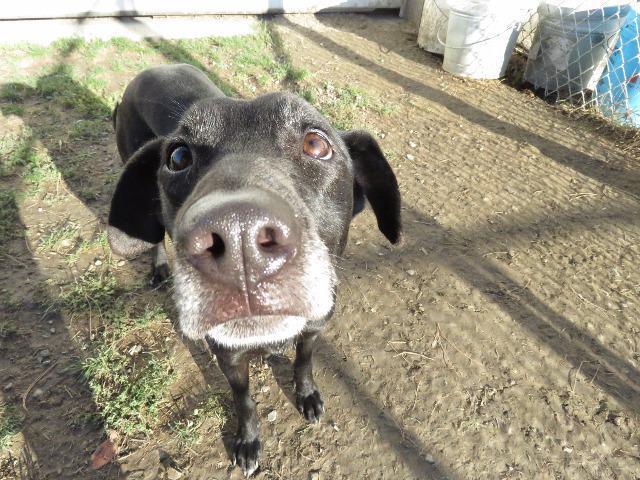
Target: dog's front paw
(159, 275)
(311, 406)
(246, 455)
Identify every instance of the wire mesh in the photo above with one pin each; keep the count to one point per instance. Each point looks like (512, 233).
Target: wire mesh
(588, 53)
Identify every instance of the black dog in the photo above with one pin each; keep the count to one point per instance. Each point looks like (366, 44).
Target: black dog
(257, 197)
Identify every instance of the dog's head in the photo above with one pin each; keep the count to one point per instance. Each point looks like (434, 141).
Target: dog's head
(257, 197)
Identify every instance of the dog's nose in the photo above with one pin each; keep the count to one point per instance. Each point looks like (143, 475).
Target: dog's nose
(241, 241)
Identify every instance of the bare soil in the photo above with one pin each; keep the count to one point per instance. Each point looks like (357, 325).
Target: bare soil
(501, 340)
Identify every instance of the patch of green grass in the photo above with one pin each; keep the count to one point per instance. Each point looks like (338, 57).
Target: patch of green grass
(347, 105)
(128, 389)
(10, 424)
(87, 129)
(62, 87)
(129, 370)
(14, 92)
(57, 235)
(90, 50)
(211, 410)
(64, 47)
(22, 155)
(13, 109)
(99, 241)
(16, 150)
(9, 217)
(260, 58)
(126, 45)
(7, 329)
(92, 292)
(36, 51)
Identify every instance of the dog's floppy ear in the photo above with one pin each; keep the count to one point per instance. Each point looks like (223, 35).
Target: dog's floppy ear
(375, 181)
(134, 224)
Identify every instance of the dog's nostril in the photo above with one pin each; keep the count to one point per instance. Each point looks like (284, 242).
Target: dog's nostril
(217, 247)
(267, 238)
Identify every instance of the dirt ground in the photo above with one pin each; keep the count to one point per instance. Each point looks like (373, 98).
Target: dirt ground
(501, 340)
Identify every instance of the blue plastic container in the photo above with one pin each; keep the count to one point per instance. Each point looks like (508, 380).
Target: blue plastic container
(570, 44)
(618, 91)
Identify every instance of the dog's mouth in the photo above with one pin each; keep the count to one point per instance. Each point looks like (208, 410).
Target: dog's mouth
(272, 311)
(257, 330)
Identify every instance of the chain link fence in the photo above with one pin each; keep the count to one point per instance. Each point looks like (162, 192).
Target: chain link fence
(587, 53)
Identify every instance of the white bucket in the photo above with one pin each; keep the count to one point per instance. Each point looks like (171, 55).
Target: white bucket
(480, 38)
(433, 24)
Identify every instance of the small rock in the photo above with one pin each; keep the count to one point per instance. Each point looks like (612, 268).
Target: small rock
(8, 386)
(615, 418)
(173, 474)
(136, 349)
(121, 263)
(382, 135)
(413, 144)
(429, 459)
(272, 416)
(314, 475)
(37, 393)
(163, 456)
(411, 273)
(567, 449)
(97, 263)
(264, 389)
(103, 455)
(410, 157)
(66, 243)
(52, 330)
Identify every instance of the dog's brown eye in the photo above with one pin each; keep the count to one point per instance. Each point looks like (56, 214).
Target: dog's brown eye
(180, 159)
(317, 146)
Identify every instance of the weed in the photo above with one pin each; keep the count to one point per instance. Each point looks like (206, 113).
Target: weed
(348, 105)
(129, 374)
(36, 51)
(128, 369)
(7, 329)
(21, 154)
(124, 45)
(14, 92)
(8, 216)
(10, 424)
(99, 241)
(62, 87)
(87, 129)
(92, 292)
(67, 233)
(16, 150)
(66, 46)
(127, 389)
(13, 109)
(211, 409)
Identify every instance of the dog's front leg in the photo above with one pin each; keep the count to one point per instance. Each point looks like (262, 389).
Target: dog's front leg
(235, 366)
(308, 399)
(160, 265)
